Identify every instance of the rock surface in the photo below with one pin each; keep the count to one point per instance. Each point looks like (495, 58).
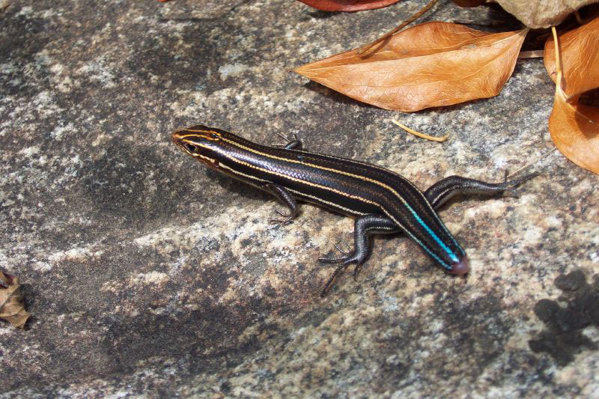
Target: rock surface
(145, 273)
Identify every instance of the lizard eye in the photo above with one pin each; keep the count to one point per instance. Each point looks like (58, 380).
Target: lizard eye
(190, 147)
(215, 136)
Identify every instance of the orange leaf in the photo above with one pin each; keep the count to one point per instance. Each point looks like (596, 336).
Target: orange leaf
(469, 3)
(430, 65)
(348, 5)
(575, 131)
(579, 50)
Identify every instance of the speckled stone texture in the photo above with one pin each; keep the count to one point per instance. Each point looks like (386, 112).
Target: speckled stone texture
(147, 274)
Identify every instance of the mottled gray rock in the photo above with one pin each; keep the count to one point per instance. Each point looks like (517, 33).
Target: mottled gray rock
(145, 273)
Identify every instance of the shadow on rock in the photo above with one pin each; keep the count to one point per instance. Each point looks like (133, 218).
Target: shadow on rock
(562, 337)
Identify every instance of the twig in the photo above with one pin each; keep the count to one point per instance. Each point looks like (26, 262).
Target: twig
(421, 135)
(531, 163)
(393, 31)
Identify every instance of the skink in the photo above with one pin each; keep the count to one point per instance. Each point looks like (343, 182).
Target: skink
(380, 200)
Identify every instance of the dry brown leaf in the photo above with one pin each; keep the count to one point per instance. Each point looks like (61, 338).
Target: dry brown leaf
(574, 127)
(575, 131)
(542, 13)
(579, 50)
(11, 301)
(348, 5)
(469, 3)
(430, 65)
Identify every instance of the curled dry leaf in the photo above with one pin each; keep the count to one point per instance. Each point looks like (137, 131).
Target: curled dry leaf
(574, 129)
(430, 65)
(348, 5)
(469, 3)
(542, 13)
(11, 301)
(579, 50)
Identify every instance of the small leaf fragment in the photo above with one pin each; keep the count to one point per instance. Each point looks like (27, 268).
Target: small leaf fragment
(430, 65)
(11, 301)
(348, 5)
(579, 50)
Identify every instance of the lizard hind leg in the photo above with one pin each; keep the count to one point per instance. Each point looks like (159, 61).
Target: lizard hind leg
(363, 227)
(443, 190)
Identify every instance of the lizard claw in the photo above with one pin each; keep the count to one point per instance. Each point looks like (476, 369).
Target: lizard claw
(287, 218)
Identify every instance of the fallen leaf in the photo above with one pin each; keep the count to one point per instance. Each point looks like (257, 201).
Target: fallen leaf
(574, 129)
(430, 65)
(469, 3)
(542, 13)
(574, 126)
(590, 98)
(11, 301)
(348, 5)
(579, 50)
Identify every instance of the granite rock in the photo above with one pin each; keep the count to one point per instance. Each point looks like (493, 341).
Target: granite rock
(147, 274)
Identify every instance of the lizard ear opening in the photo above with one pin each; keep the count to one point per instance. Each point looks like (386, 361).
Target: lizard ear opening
(190, 147)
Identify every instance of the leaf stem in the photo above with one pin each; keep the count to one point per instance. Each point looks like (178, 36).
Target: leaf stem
(393, 31)
(421, 135)
(558, 63)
